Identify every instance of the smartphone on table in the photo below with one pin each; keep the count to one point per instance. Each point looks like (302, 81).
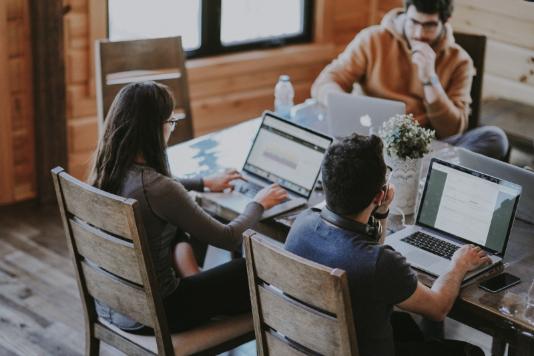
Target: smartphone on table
(500, 282)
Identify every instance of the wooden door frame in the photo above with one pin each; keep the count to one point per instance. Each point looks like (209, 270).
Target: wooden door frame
(49, 89)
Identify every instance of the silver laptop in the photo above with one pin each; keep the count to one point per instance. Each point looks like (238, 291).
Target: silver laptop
(517, 175)
(349, 113)
(282, 152)
(458, 206)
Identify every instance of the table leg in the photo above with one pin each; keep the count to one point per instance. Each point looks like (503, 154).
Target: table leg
(498, 346)
(523, 345)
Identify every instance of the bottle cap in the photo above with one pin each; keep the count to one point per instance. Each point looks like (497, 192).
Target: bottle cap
(284, 78)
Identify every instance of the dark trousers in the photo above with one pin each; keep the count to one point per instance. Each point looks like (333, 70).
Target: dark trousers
(409, 341)
(220, 291)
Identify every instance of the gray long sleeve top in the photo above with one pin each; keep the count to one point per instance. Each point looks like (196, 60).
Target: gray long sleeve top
(167, 210)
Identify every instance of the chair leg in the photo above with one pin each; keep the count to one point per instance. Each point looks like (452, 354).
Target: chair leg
(92, 344)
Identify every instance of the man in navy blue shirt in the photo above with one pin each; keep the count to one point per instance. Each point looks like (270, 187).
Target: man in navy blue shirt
(348, 234)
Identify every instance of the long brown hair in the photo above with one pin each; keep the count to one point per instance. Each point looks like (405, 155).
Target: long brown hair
(133, 127)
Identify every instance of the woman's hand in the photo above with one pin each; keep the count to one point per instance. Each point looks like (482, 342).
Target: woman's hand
(270, 196)
(220, 182)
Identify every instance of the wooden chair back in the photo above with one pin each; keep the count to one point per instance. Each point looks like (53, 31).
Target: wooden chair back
(299, 307)
(108, 245)
(475, 46)
(160, 59)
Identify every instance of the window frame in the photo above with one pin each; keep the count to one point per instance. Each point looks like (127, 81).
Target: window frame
(210, 32)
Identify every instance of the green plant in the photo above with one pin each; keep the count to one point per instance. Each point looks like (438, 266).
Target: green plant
(404, 138)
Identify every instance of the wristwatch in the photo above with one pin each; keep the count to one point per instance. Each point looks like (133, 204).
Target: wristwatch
(379, 216)
(433, 80)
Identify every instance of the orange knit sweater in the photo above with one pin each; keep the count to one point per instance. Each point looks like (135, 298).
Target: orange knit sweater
(379, 59)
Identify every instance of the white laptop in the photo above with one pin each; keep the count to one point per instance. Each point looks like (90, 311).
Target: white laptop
(458, 206)
(517, 175)
(282, 152)
(349, 113)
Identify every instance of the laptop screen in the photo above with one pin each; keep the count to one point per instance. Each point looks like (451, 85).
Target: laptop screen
(472, 206)
(287, 154)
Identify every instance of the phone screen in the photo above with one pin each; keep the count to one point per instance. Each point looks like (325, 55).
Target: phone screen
(500, 282)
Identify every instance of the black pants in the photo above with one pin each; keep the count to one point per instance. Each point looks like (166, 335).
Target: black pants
(219, 291)
(409, 341)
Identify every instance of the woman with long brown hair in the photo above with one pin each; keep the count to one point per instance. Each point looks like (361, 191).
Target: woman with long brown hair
(131, 161)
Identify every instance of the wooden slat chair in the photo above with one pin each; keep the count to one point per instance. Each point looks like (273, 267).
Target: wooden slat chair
(110, 252)
(160, 59)
(299, 307)
(475, 46)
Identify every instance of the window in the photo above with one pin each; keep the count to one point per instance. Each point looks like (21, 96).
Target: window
(211, 27)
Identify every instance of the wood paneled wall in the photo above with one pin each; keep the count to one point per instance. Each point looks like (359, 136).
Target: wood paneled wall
(224, 90)
(509, 26)
(17, 149)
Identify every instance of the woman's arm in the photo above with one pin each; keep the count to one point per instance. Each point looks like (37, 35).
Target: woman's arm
(170, 201)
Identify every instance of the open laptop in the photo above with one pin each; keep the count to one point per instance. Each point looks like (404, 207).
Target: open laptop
(282, 152)
(458, 206)
(349, 113)
(517, 175)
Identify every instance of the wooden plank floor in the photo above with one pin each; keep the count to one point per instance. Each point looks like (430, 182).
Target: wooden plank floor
(40, 309)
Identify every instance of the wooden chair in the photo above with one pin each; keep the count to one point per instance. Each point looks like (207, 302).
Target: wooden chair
(109, 249)
(475, 46)
(160, 59)
(299, 307)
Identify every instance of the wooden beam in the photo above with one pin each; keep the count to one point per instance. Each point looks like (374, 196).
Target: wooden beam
(511, 62)
(98, 29)
(49, 92)
(324, 21)
(6, 144)
(499, 27)
(519, 9)
(498, 87)
(373, 12)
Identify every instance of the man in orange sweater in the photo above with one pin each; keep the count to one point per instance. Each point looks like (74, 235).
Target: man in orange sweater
(412, 57)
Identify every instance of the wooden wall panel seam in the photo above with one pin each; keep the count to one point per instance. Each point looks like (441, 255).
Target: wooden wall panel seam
(6, 149)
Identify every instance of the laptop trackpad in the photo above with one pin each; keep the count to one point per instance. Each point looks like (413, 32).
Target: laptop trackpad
(420, 259)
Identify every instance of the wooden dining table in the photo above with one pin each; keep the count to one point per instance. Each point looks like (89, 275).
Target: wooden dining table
(505, 315)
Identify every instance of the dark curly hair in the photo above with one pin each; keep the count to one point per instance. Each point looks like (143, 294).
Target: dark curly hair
(442, 7)
(353, 172)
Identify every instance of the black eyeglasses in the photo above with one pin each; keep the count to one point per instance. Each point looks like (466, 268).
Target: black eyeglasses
(174, 119)
(428, 26)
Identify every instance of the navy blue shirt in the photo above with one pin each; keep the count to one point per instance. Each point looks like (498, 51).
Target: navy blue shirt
(378, 276)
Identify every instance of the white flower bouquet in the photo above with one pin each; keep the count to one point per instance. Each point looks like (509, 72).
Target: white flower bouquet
(404, 138)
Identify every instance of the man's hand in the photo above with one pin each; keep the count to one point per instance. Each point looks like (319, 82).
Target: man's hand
(424, 57)
(469, 257)
(220, 182)
(387, 200)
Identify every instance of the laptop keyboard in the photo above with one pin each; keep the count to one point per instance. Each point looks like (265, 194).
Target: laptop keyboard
(431, 244)
(249, 189)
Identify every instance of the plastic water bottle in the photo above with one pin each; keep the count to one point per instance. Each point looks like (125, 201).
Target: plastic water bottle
(283, 96)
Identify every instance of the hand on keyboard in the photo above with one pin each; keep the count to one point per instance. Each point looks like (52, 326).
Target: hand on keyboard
(469, 258)
(220, 182)
(270, 196)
